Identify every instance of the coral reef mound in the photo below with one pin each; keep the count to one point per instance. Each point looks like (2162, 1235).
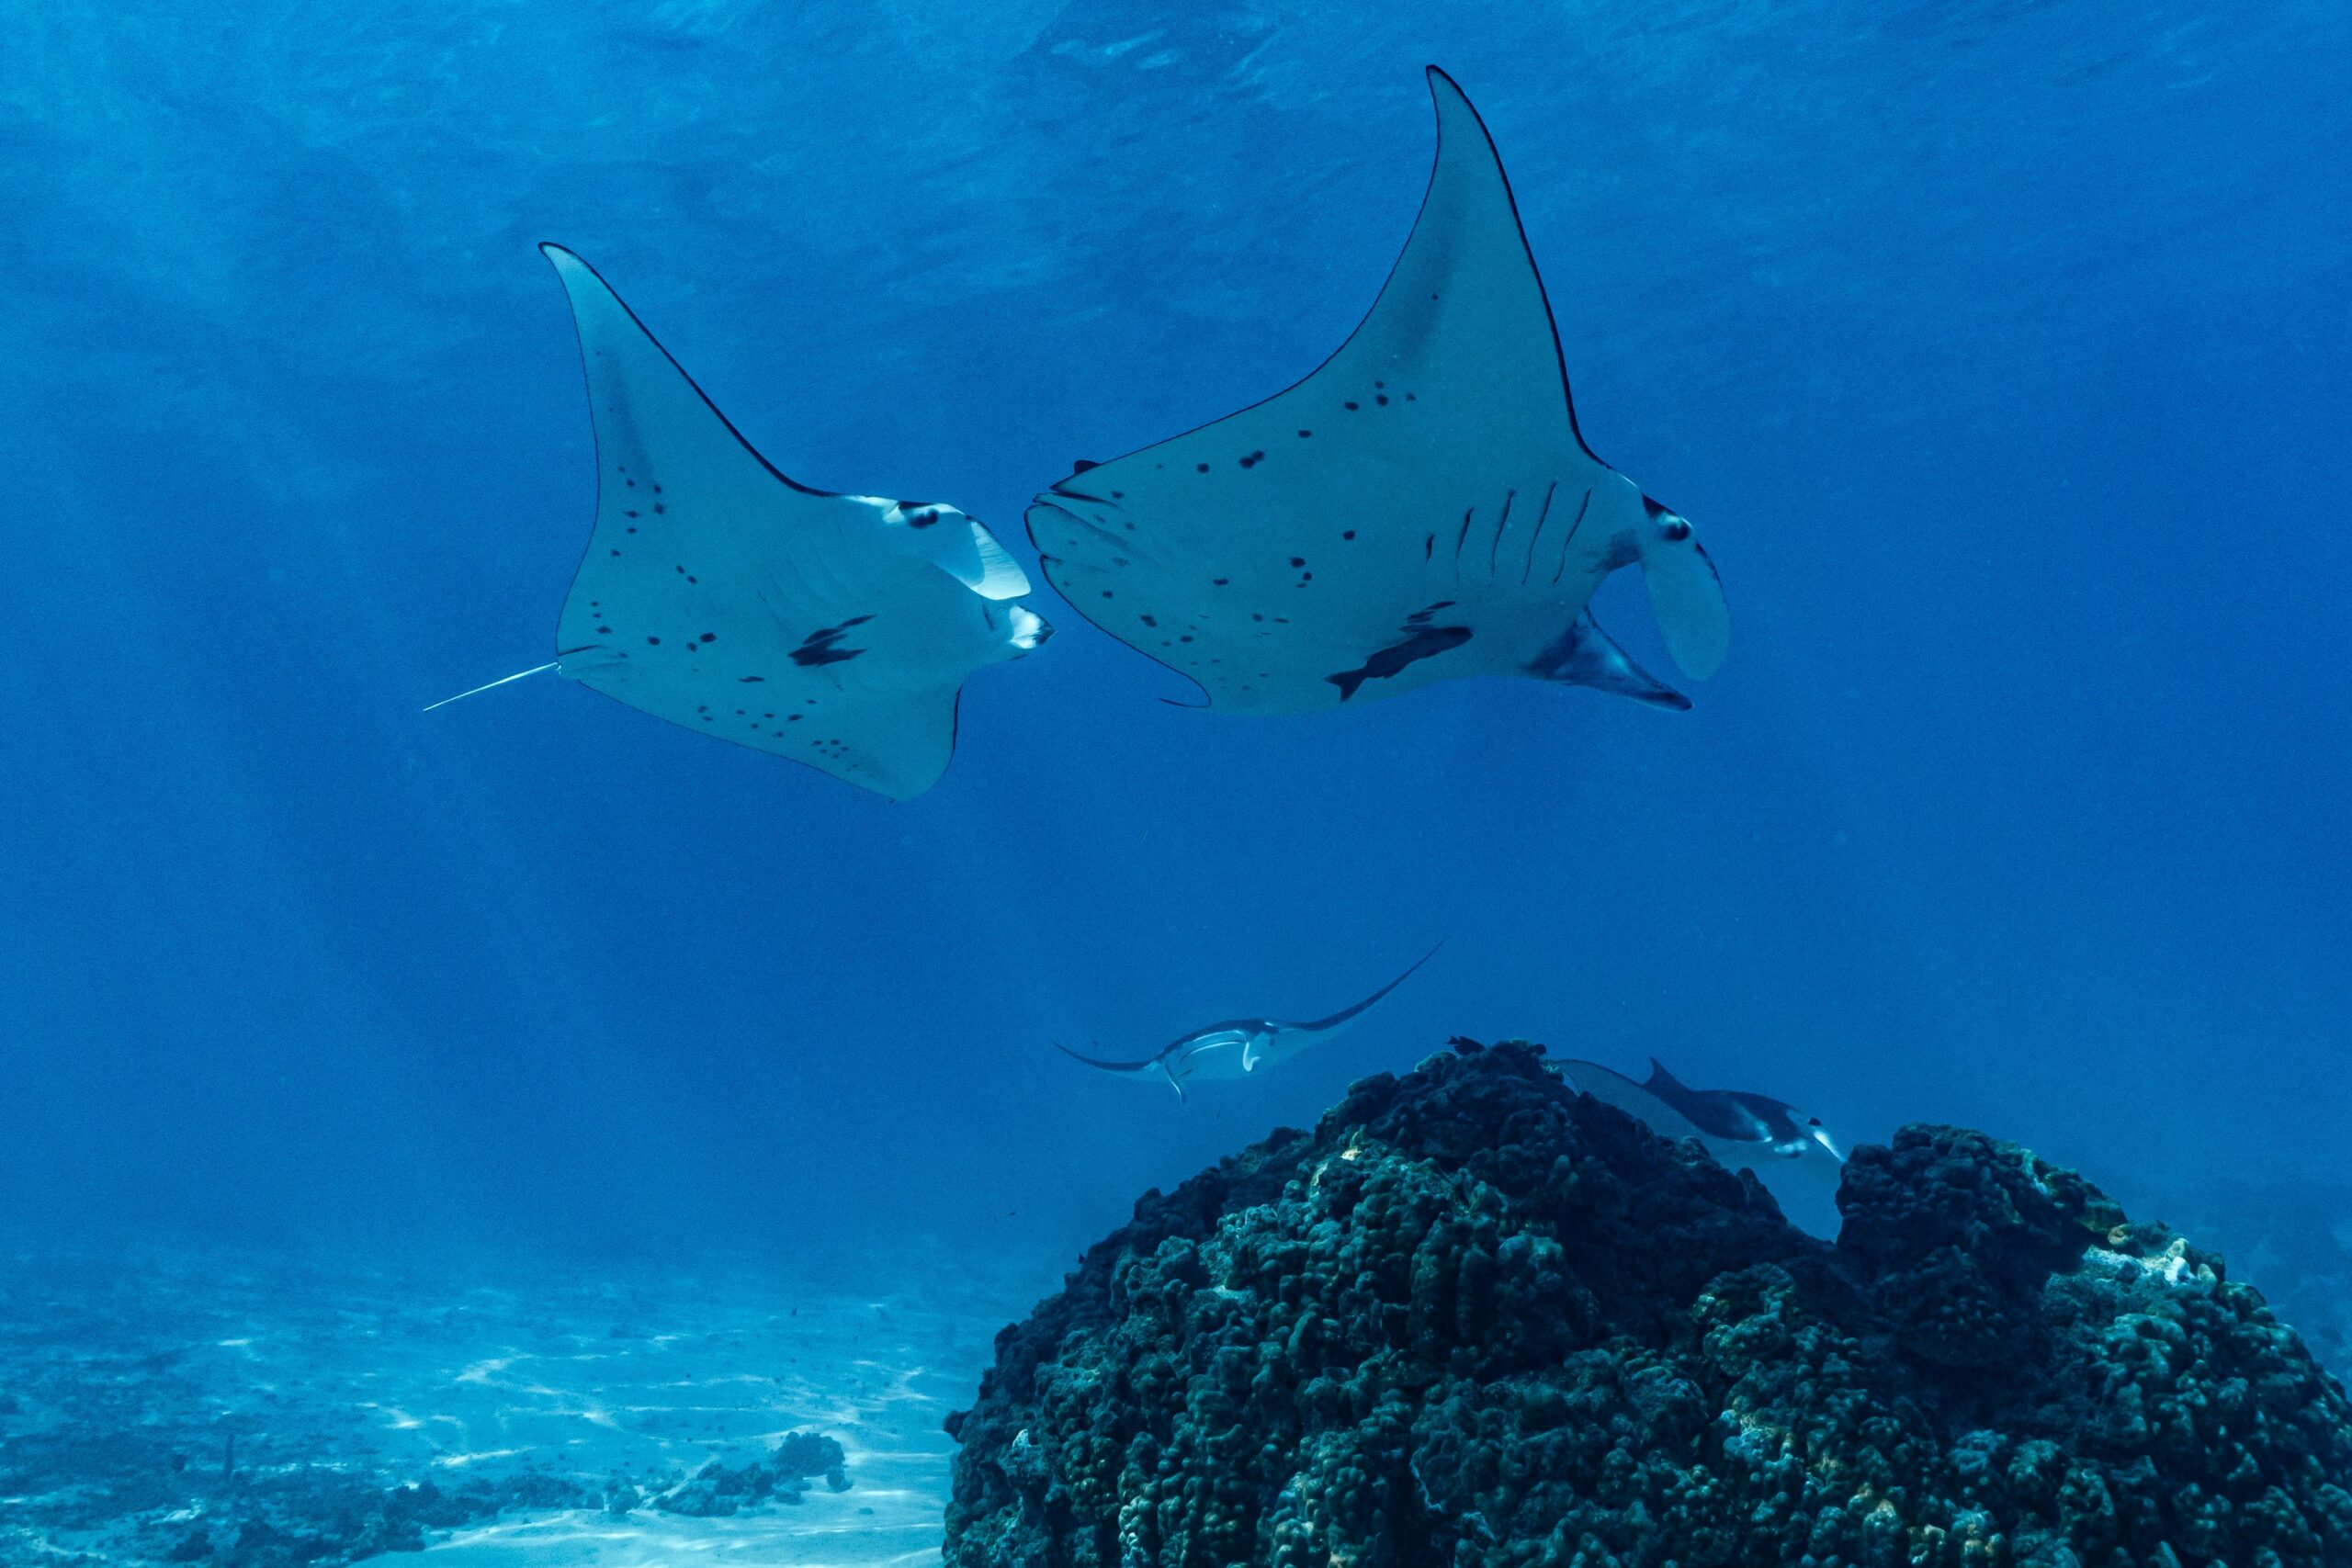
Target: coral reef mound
(1475, 1319)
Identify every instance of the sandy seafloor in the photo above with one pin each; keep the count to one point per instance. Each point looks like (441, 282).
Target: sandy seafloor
(124, 1379)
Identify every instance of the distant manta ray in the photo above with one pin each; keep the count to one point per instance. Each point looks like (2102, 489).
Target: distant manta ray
(1238, 1048)
(1739, 1129)
(1421, 507)
(836, 630)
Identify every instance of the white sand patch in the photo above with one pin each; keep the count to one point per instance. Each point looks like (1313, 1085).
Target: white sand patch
(644, 1398)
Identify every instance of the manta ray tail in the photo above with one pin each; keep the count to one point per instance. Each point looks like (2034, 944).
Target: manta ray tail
(492, 685)
(1344, 1014)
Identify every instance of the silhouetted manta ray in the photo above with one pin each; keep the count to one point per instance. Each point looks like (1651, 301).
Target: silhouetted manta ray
(836, 630)
(1238, 1048)
(1420, 507)
(1736, 1127)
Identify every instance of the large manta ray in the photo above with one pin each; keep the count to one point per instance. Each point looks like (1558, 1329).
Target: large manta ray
(1421, 507)
(1739, 1128)
(836, 630)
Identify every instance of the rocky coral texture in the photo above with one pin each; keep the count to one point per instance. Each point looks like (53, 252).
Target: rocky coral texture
(1474, 1318)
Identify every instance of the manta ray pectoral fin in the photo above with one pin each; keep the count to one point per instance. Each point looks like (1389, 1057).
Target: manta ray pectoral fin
(1584, 655)
(1640, 1101)
(1685, 592)
(1130, 1068)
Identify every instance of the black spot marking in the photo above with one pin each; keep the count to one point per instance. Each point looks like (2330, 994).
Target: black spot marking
(1298, 560)
(821, 647)
(1428, 545)
(710, 637)
(629, 514)
(1347, 533)
(1304, 434)
(1422, 617)
(1219, 581)
(1425, 643)
(1200, 468)
(752, 680)
(1253, 460)
(1349, 407)
(1151, 621)
(654, 641)
(1382, 399)
(604, 631)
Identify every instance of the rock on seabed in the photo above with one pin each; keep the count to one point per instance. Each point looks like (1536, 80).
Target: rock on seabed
(1477, 1318)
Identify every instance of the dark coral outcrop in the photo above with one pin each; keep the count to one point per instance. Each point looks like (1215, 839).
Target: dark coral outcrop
(1474, 1318)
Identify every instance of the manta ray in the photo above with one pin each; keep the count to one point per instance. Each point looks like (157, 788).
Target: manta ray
(715, 592)
(1240, 1046)
(1421, 507)
(1739, 1128)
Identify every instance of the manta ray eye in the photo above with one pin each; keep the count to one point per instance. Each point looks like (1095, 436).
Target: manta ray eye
(1675, 528)
(1813, 1120)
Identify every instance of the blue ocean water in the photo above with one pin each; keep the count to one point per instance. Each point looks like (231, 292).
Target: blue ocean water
(1999, 349)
